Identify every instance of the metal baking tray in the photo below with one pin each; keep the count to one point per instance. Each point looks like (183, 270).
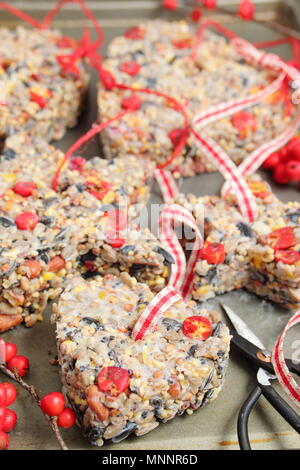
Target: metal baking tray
(213, 427)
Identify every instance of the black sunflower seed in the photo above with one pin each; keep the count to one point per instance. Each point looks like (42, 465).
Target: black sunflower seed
(126, 249)
(245, 229)
(48, 221)
(5, 222)
(129, 428)
(171, 324)
(211, 274)
(43, 255)
(93, 321)
(8, 154)
(61, 235)
(294, 216)
(89, 256)
(94, 434)
(168, 258)
(217, 329)
(192, 350)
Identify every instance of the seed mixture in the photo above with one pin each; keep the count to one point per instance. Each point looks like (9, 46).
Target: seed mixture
(118, 386)
(44, 94)
(263, 257)
(86, 227)
(157, 55)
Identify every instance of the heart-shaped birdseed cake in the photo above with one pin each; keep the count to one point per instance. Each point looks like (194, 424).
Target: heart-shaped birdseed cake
(119, 386)
(84, 227)
(159, 56)
(42, 89)
(263, 256)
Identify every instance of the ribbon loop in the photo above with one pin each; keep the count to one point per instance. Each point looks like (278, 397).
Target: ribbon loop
(283, 374)
(182, 272)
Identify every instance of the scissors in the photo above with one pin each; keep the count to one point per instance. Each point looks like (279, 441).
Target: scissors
(248, 344)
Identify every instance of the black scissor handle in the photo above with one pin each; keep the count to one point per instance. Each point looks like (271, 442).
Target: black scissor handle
(243, 418)
(280, 405)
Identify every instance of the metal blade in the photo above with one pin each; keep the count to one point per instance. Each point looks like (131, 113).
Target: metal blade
(242, 328)
(264, 377)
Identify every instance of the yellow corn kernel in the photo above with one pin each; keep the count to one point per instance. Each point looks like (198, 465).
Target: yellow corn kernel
(48, 276)
(78, 289)
(9, 177)
(109, 197)
(276, 227)
(202, 290)
(49, 212)
(165, 272)
(257, 261)
(102, 295)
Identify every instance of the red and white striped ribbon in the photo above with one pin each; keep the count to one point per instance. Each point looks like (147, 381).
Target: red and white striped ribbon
(283, 374)
(256, 158)
(230, 107)
(263, 59)
(166, 184)
(182, 272)
(150, 317)
(231, 173)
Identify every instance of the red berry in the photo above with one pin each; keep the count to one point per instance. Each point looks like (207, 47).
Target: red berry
(67, 418)
(197, 327)
(11, 393)
(183, 43)
(77, 163)
(210, 4)
(284, 154)
(292, 170)
(21, 363)
(213, 253)
(296, 151)
(196, 14)
(26, 221)
(293, 148)
(244, 122)
(11, 351)
(176, 135)
(287, 256)
(3, 396)
(116, 242)
(132, 68)
(272, 161)
(131, 103)
(38, 99)
(2, 416)
(10, 421)
(113, 380)
(4, 441)
(246, 10)
(282, 238)
(280, 175)
(24, 189)
(53, 404)
(170, 4)
(134, 33)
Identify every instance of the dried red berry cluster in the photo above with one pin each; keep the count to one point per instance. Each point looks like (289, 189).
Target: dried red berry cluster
(285, 163)
(8, 393)
(53, 404)
(246, 9)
